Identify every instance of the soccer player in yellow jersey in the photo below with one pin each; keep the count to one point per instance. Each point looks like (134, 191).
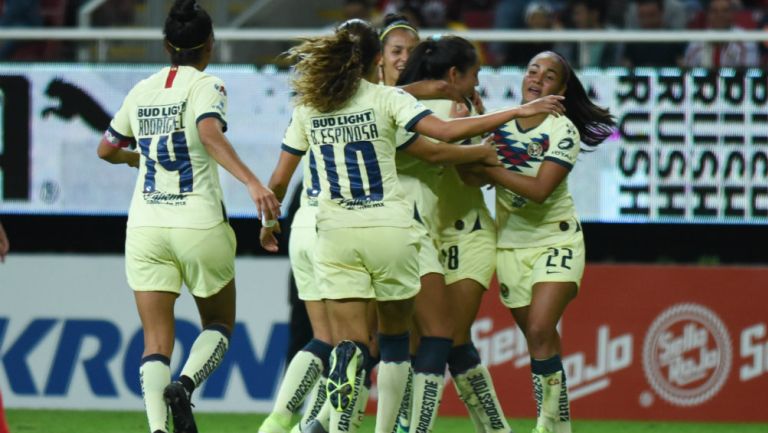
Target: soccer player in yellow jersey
(540, 257)
(177, 227)
(398, 38)
(454, 221)
(366, 248)
(310, 365)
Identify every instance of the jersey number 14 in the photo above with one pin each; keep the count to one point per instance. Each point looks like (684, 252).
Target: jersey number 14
(180, 163)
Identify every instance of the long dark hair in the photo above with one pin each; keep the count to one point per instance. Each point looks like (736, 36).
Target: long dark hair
(329, 68)
(187, 29)
(434, 57)
(594, 123)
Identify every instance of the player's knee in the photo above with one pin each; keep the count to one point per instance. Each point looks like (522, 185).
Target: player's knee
(539, 334)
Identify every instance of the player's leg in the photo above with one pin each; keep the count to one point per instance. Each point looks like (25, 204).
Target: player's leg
(395, 361)
(553, 277)
(207, 260)
(307, 372)
(349, 357)
(392, 257)
(549, 381)
(469, 260)
(155, 280)
(436, 328)
(302, 373)
(471, 378)
(321, 329)
(345, 284)
(156, 313)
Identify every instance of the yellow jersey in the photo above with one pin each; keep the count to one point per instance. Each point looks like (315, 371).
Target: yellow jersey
(521, 222)
(306, 215)
(354, 148)
(178, 183)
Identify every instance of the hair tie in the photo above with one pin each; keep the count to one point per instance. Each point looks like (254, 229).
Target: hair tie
(397, 25)
(177, 49)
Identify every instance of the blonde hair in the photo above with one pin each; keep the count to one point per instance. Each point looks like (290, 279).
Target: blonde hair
(328, 69)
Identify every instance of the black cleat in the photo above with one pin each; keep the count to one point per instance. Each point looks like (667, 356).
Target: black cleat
(314, 426)
(346, 363)
(177, 398)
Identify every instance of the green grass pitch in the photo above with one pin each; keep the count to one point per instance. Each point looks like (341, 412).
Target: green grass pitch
(67, 421)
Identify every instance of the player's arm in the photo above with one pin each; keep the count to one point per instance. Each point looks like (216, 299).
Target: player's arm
(278, 183)
(445, 153)
(538, 188)
(4, 244)
(218, 146)
(473, 175)
(458, 129)
(117, 154)
(433, 89)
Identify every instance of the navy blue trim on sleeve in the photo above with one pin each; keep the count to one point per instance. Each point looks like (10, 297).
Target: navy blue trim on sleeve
(292, 151)
(118, 135)
(408, 142)
(565, 164)
(214, 115)
(416, 119)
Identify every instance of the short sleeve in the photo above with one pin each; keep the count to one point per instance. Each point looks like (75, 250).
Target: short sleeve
(119, 133)
(209, 99)
(404, 138)
(564, 144)
(405, 109)
(295, 139)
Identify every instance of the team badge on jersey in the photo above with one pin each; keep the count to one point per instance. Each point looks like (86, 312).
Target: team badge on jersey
(535, 150)
(517, 155)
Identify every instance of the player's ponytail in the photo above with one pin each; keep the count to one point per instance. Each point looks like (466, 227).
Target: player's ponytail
(594, 123)
(434, 57)
(187, 30)
(329, 69)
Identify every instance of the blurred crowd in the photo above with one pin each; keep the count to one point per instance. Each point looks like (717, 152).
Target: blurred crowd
(731, 15)
(616, 15)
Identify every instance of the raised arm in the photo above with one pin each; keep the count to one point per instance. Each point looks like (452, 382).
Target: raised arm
(459, 129)
(218, 146)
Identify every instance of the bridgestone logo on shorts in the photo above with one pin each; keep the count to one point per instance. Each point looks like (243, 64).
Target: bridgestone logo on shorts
(687, 354)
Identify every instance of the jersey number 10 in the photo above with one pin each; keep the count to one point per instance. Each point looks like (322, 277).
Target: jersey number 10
(357, 187)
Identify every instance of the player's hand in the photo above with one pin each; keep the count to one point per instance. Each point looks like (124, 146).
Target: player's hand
(551, 104)
(459, 110)
(491, 159)
(267, 205)
(268, 239)
(477, 102)
(133, 162)
(449, 91)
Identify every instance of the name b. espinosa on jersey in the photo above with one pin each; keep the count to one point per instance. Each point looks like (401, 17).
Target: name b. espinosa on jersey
(646, 342)
(344, 128)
